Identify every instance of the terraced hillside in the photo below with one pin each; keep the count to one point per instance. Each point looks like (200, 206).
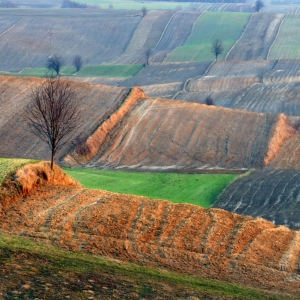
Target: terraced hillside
(98, 102)
(160, 134)
(257, 38)
(208, 27)
(211, 243)
(272, 194)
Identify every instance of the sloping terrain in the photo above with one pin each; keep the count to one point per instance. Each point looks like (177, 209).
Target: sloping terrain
(257, 38)
(160, 134)
(210, 26)
(285, 71)
(228, 7)
(33, 39)
(98, 102)
(210, 243)
(145, 37)
(287, 43)
(161, 73)
(174, 35)
(272, 194)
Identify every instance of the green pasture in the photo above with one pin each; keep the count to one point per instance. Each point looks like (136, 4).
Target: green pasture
(132, 4)
(8, 165)
(227, 27)
(198, 189)
(117, 71)
(287, 44)
(59, 266)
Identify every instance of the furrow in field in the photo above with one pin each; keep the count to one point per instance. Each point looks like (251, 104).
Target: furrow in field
(150, 137)
(274, 195)
(212, 243)
(258, 37)
(145, 37)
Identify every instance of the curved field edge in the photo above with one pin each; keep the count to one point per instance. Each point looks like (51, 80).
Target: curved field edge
(197, 189)
(56, 265)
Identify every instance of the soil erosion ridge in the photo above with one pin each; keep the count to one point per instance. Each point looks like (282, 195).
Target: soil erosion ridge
(207, 242)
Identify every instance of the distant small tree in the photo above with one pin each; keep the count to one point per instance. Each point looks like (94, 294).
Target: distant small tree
(77, 63)
(110, 6)
(217, 48)
(53, 113)
(54, 63)
(144, 11)
(147, 54)
(209, 100)
(258, 5)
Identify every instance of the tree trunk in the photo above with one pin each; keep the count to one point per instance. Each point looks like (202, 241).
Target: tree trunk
(52, 160)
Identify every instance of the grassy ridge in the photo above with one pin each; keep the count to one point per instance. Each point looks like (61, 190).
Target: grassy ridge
(116, 71)
(8, 165)
(287, 44)
(53, 272)
(198, 189)
(210, 26)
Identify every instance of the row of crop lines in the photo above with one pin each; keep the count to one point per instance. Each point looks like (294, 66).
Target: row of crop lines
(210, 26)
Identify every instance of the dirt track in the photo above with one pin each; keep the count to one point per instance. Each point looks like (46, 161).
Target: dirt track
(211, 243)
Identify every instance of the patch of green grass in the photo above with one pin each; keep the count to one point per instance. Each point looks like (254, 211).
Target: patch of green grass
(227, 27)
(287, 44)
(9, 165)
(198, 189)
(58, 261)
(118, 71)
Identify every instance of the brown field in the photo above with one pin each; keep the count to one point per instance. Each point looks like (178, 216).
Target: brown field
(211, 243)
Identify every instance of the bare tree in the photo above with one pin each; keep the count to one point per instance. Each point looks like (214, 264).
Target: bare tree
(77, 62)
(217, 48)
(144, 11)
(54, 63)
(258, 5)
(53, 113)
(147, 54)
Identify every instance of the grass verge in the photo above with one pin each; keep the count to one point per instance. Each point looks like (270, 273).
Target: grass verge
(31, 270)
(227, 27)
(198, 189)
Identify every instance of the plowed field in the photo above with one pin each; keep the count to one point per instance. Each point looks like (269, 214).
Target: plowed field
(159, 134)
(258, 37)
(98, 102)
(272, 194)
(211, 243)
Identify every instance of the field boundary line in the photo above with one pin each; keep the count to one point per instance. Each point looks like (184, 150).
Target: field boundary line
(240, 37)
(165, 29)
(296, 12)
(186, 37)
(276, 37)
(11, 27)
(132, 77)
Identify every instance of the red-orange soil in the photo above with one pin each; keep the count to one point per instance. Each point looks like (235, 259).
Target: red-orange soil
(206, 242)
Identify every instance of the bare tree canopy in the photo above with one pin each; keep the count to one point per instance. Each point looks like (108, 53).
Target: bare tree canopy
(53, 113)
(54, 63)
(147, 54)
(77, 63)
(209, 100)
(258, 5)
(217, 48)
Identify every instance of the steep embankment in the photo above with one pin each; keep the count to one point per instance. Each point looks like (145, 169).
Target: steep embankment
(210, 243)
(160, 134)
(97, 103)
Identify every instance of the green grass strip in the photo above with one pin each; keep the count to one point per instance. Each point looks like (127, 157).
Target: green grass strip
(9, 165)
(198, 189)
(64, 261)
(227, 27)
